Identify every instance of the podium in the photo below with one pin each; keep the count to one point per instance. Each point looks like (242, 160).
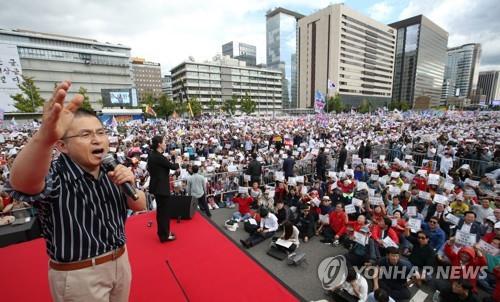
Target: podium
(181, 207)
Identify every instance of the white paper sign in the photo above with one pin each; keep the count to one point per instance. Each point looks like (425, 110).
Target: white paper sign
(464, 238)
(299, 179)
(405, 187)
(382, 157)
(388, 242)
(252, 221)
(422, 172)
(284, 243)
(292, 181)
(472, 183)
(412, 211)
(332, 174)
(325, 219)
(394, 222)
(394, 174)
(424, 195)
(243, 190)
(394, 190)
(449, 186)
(453, 219)
(488, 248)
(371, 166)
(362, 186)
(371, 192)
(376, 200)
(433, 179)
(414, 224)
(360, 238)
(304, 190)
(438, 198)
(357, 202)
(246, 177)
(350, 209)
(374, 177)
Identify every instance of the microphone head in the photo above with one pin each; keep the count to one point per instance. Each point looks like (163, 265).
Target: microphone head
(109, 162)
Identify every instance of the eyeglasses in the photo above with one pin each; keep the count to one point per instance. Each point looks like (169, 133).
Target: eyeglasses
(88, 134)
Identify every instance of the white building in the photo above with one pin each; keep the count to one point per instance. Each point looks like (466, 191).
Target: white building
(461, 71)
(354, 51)
(224, 77)
(51, 58)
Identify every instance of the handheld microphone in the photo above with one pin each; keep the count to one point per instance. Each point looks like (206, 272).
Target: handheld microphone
(110, 164)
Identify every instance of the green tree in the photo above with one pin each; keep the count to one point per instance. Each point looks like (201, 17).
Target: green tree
(335, 104)
(148, 100)
(404, 106)
(195, 106)
(86, 102)
(212, 105)
(181, 108)
(364, 107)
(165, 106)
(247, 104)
(29, 100)
(229, 105)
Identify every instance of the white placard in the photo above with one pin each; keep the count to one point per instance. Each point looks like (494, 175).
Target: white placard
(292, 181)
(405, 187)
(368, 161)
(284, 243)
(424, 195)
(394, 222)
(279, 174)
(394, 190)
(252, 221)
(272, 193)
(374, 177)
(202, 159)
(376, 200)
(382, 157)
(280, 178)
(332, 174)
(395, 174)
(408, 157)
(112, 149)
(433, 179)
(371, 166)
(350, 209)
(113, 139)
(304, 190)
(388, 242)
(362, 186)
(357, 202)
(315, 152)
(371, 192)
(246, 177)
(243, 190)
(414, 224)
(355, 156)
(232, 168)
(360, 238)
(411, 211)
(449, 186)
(472, 183)
(465, 238)
(143, 165)
(325, 219)
(299, 179)
(422, 172)
(488, 248)
(197, 163)
(10, 68)
(438, 198)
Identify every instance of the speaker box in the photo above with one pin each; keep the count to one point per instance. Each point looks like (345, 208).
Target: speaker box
(182, 207)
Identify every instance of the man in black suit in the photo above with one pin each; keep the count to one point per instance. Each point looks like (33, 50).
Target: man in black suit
(342, 158)
(159, 184)
(288, 165)
(321, 164)
(254, 169)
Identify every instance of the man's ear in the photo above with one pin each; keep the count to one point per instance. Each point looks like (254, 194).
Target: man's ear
(61, 146)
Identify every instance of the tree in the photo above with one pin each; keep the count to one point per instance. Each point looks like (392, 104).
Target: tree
(195, 106)
(247, 104)
(86, 103)
(165, 106)
(404, 106)
(229, 105)
(364, 107)
(149, 100)
(29, 100)
(335, 104)
(212, 105)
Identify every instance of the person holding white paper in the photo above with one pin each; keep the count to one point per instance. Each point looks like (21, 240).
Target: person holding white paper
(290, 236)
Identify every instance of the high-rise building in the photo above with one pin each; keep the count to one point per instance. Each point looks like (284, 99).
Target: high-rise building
(223, 78)
(355, 52)
(420, 60)
(51, 58)
(489, 85)
(282, 50)
(147, 78)
(241, 51)
(166, 85)
(461, 71)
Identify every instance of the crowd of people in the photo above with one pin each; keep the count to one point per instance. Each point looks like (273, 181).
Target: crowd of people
(394, 189)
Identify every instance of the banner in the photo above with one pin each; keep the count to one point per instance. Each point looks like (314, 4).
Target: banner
(319, 102)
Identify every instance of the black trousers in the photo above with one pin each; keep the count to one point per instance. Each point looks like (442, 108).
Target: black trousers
(202, 203)
(162, 216)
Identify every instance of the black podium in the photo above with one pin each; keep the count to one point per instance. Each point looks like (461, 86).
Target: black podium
(181, 207)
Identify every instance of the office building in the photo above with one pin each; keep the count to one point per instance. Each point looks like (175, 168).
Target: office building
(421, 50)
(51, 58)
(166, 85)
(241, 51)
(147, 78)
(224, 77)
(461, 71)
(355, 52)
(489, 85)
(282, 50)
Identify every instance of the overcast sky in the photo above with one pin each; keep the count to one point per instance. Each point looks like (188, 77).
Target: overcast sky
(169, 31)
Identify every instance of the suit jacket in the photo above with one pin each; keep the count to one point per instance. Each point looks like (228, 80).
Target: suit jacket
(254, 169)
(288, 164)
(159, 170)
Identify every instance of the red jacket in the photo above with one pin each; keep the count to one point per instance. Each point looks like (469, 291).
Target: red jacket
(244, 204)
(377, 234)
(337, 220)
(466, 270)
(351, 224)
(421, 183)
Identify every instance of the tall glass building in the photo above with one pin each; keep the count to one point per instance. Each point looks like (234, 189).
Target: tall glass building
(281, 47)
(421, 49)
(462, 71)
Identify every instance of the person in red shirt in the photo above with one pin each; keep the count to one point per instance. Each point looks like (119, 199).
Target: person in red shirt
(244, 202)
(338, 219)
(382, 230)
(467, 259)
(488, 237)
(347, 231)
(420, 182)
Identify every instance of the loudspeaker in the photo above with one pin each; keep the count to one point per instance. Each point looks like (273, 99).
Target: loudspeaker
(181, 207)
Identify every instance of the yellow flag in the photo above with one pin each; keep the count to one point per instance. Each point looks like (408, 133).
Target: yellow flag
(190, 109)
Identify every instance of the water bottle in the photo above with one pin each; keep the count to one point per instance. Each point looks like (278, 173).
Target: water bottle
(435, 297)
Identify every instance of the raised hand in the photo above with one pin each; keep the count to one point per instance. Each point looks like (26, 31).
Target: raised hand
(56, 116)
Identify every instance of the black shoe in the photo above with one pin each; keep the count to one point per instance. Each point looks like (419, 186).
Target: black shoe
(245, 243)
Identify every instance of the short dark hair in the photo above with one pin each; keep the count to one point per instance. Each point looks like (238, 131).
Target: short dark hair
(392, 250)
(470, 212)
(194, 169)
(387, 221)
(423, 233)
(381, 295)
(156, 141)
(263, 212)
(351, 274)
(254, 155)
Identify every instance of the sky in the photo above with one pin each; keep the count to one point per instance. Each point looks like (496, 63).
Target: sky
(170, 31)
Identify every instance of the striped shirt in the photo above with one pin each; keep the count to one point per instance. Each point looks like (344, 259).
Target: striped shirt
(81, 217)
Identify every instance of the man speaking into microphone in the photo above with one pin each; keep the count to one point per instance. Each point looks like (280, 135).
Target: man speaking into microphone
(82, 203)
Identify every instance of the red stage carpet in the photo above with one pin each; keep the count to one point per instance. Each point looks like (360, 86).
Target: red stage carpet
(207, 264)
